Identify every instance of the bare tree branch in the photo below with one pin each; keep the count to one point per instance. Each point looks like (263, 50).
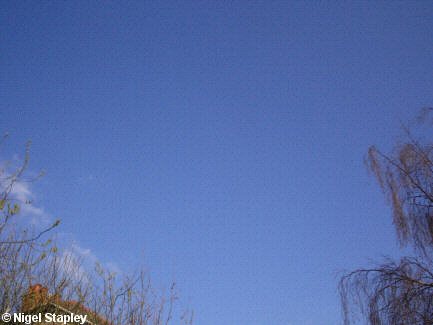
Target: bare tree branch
(399, 292)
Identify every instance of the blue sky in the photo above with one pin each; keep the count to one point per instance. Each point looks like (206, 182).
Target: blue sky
(224, 139)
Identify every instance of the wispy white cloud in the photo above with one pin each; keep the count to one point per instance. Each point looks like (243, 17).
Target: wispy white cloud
(86, 179)
(69, 262)
(35, 215)
(89, 257)
(77, 259)
(21, 191)
(84, 253)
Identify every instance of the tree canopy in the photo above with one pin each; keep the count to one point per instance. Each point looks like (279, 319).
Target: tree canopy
(399, 292)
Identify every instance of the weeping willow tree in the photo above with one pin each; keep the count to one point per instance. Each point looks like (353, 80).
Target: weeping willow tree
(399, 292)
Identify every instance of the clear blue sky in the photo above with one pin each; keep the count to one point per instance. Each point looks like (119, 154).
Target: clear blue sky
(227, 138)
